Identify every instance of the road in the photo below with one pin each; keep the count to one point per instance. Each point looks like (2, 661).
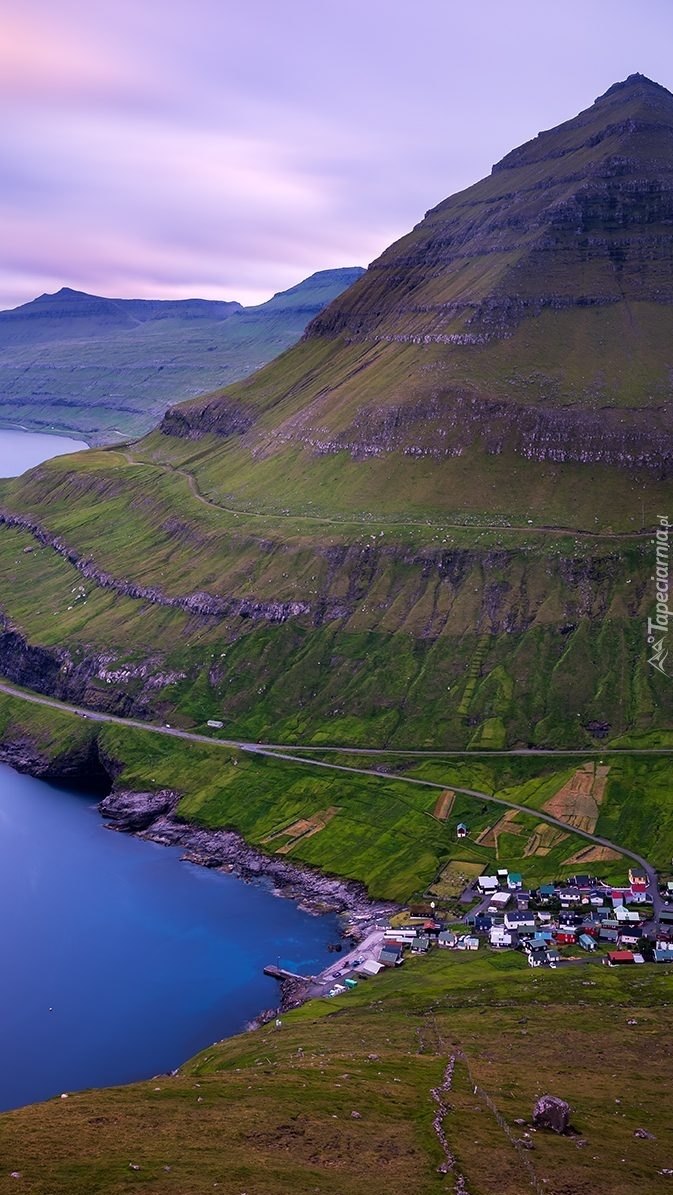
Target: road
(278, 751)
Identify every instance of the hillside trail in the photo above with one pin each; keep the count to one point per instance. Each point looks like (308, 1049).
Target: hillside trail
(328, 520)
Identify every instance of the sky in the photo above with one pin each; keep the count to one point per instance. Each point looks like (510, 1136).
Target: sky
(174, 149)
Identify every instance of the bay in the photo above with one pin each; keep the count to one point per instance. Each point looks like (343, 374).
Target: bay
(117, 960)
(21, 450)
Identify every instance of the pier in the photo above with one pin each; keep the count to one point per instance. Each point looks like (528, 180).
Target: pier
(280, 973)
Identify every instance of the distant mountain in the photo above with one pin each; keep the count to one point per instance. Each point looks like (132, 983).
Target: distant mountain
(104, 368)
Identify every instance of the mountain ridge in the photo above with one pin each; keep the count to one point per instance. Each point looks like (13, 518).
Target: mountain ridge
(107, 368)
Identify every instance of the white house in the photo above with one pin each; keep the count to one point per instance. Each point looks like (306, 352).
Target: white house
(499, 936)
(487, 884)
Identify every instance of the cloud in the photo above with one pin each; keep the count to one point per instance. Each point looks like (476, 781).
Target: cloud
(227, 150)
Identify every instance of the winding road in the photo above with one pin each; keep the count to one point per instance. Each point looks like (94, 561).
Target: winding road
(280, 751)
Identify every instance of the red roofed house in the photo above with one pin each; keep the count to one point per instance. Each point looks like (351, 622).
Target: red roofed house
(620, 956)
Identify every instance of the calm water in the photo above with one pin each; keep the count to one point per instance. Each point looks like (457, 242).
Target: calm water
(21, 450)
(118, 961)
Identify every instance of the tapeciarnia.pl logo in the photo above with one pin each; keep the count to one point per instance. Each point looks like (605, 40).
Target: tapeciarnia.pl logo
(657, 627)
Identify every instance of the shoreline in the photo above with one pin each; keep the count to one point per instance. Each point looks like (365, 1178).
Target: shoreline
(151, 816)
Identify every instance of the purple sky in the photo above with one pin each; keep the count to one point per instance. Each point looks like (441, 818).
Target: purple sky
(168, 149)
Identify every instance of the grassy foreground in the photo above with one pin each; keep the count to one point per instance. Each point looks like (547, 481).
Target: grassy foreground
(339, 1099)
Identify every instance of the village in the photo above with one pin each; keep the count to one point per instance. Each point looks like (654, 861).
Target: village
(560, 923)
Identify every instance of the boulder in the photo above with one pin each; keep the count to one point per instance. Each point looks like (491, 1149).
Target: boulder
(550, 1112)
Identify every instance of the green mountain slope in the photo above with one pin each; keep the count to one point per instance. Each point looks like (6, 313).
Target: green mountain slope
(430, 522)
(108, 368)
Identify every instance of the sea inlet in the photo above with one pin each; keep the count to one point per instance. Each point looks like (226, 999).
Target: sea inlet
(119, 961)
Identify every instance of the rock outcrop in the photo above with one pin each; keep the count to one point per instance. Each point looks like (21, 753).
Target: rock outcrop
(152, 816)
(550, 1112)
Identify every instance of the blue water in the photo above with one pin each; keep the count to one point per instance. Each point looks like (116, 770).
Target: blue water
(117, 961)
(20, 450)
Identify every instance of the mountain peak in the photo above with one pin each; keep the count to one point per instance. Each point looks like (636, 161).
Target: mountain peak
(612, 116)
(635, 82)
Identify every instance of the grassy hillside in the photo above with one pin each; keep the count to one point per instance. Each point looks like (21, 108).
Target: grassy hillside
(390, 536)
(342, 1094)
(398, 839)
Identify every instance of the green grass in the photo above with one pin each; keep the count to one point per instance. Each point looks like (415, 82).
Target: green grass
(271, 1111)
(384, 834)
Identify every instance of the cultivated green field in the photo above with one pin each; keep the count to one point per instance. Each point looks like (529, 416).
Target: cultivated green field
(383, 832)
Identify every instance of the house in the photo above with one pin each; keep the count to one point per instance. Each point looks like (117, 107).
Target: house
(514, 881)
(500, 937)
(421, 944)
(431, 928)
(534, 946)
(584, 883)
(520, 921)
(586, 942)
(468, 943)
(590, 928)
(637, 876)
(630, 935)
(502, 874)
(638, 896)
(446, 938)
(617, 957)
(461, 830)
(487, 884)
(606, 934)
(664, 944)
(499, 901)
(666, 916)
(369, 967)
(663, 956)
(399, 935)
(546, 892)
(624, 915)
(483, 922)
(391, 956)
(565, 938)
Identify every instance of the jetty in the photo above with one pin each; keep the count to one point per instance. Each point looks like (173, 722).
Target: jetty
(280, 973)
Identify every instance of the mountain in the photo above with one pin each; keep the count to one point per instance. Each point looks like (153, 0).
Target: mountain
(428, 524)
(102, 367)
(531, 312)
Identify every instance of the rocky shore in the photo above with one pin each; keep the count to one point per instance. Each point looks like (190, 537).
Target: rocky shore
(152, 815)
